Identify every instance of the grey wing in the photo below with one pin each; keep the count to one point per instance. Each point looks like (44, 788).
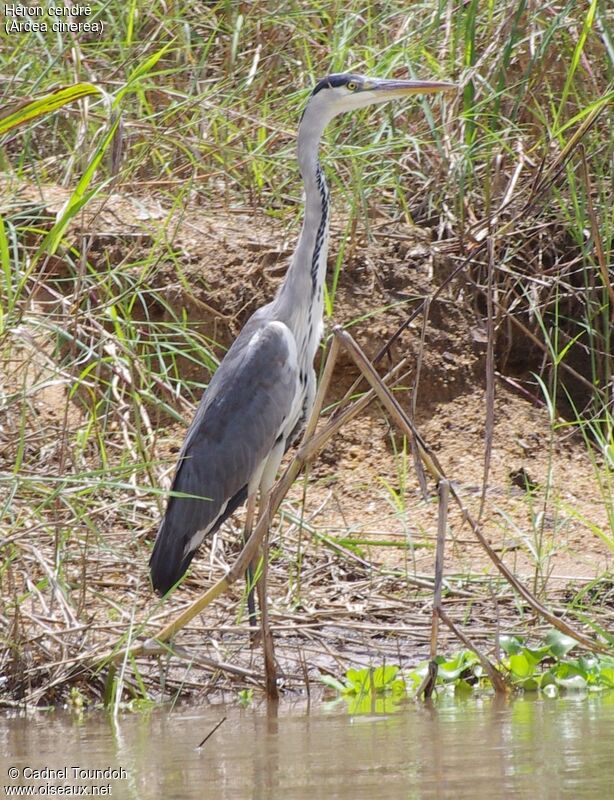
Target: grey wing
(236, 426)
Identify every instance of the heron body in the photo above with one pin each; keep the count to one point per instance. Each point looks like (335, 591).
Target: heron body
(263, 390)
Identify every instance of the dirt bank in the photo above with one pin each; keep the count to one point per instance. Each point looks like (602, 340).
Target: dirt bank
(356, 534)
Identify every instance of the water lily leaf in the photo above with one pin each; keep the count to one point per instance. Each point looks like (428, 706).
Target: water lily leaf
(535, 655)
(357, 681)
(589, 664)
(447, 672)
(559, 643)
(547, 679)
(384, 676)
(521, 665)
(573, 682)
(511, 645)
(398, 687)
(606, 675)
(569, 675)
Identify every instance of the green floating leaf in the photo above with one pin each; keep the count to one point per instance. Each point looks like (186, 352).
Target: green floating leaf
(589, 665)
(606, 676)
(358, 680)
(370, 680)
(521, 665)
(383, 677)
(246, 696)
(559, 643)
(463, 688)
(398, 688)
(536, 655)
(569, 675)
(511, 645)
(454, 667)
(448, 673)
(573, 682)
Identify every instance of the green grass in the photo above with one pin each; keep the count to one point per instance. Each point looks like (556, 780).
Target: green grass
(195, 107)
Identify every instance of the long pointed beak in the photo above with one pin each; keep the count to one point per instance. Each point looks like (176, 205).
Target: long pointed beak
(399, 88)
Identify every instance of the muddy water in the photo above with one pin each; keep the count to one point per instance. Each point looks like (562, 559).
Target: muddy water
(478, 749)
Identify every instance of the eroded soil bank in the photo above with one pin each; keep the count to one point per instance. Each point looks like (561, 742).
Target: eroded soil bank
(353, 546)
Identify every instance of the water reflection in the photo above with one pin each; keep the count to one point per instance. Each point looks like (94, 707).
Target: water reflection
(474, 748)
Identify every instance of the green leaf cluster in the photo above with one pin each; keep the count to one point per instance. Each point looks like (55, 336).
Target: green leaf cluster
(546, 667)
(462, 671)
(369, 690)
(370, 680)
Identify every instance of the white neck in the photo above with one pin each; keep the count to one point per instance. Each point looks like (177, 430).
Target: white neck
(300, 300)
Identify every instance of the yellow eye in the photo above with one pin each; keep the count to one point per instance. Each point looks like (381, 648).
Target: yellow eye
(352, 86)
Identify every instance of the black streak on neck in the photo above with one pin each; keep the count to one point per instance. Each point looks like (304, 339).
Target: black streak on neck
(321, 234)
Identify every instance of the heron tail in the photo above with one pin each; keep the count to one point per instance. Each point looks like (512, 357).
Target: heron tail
(169, 559)
(168, 562)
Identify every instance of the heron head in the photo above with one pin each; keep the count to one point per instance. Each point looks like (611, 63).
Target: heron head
(342, 92)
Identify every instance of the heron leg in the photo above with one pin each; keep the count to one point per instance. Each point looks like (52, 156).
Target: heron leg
(270, 667)
(250, 572)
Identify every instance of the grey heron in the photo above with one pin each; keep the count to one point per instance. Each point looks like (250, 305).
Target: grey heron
(262, 392)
